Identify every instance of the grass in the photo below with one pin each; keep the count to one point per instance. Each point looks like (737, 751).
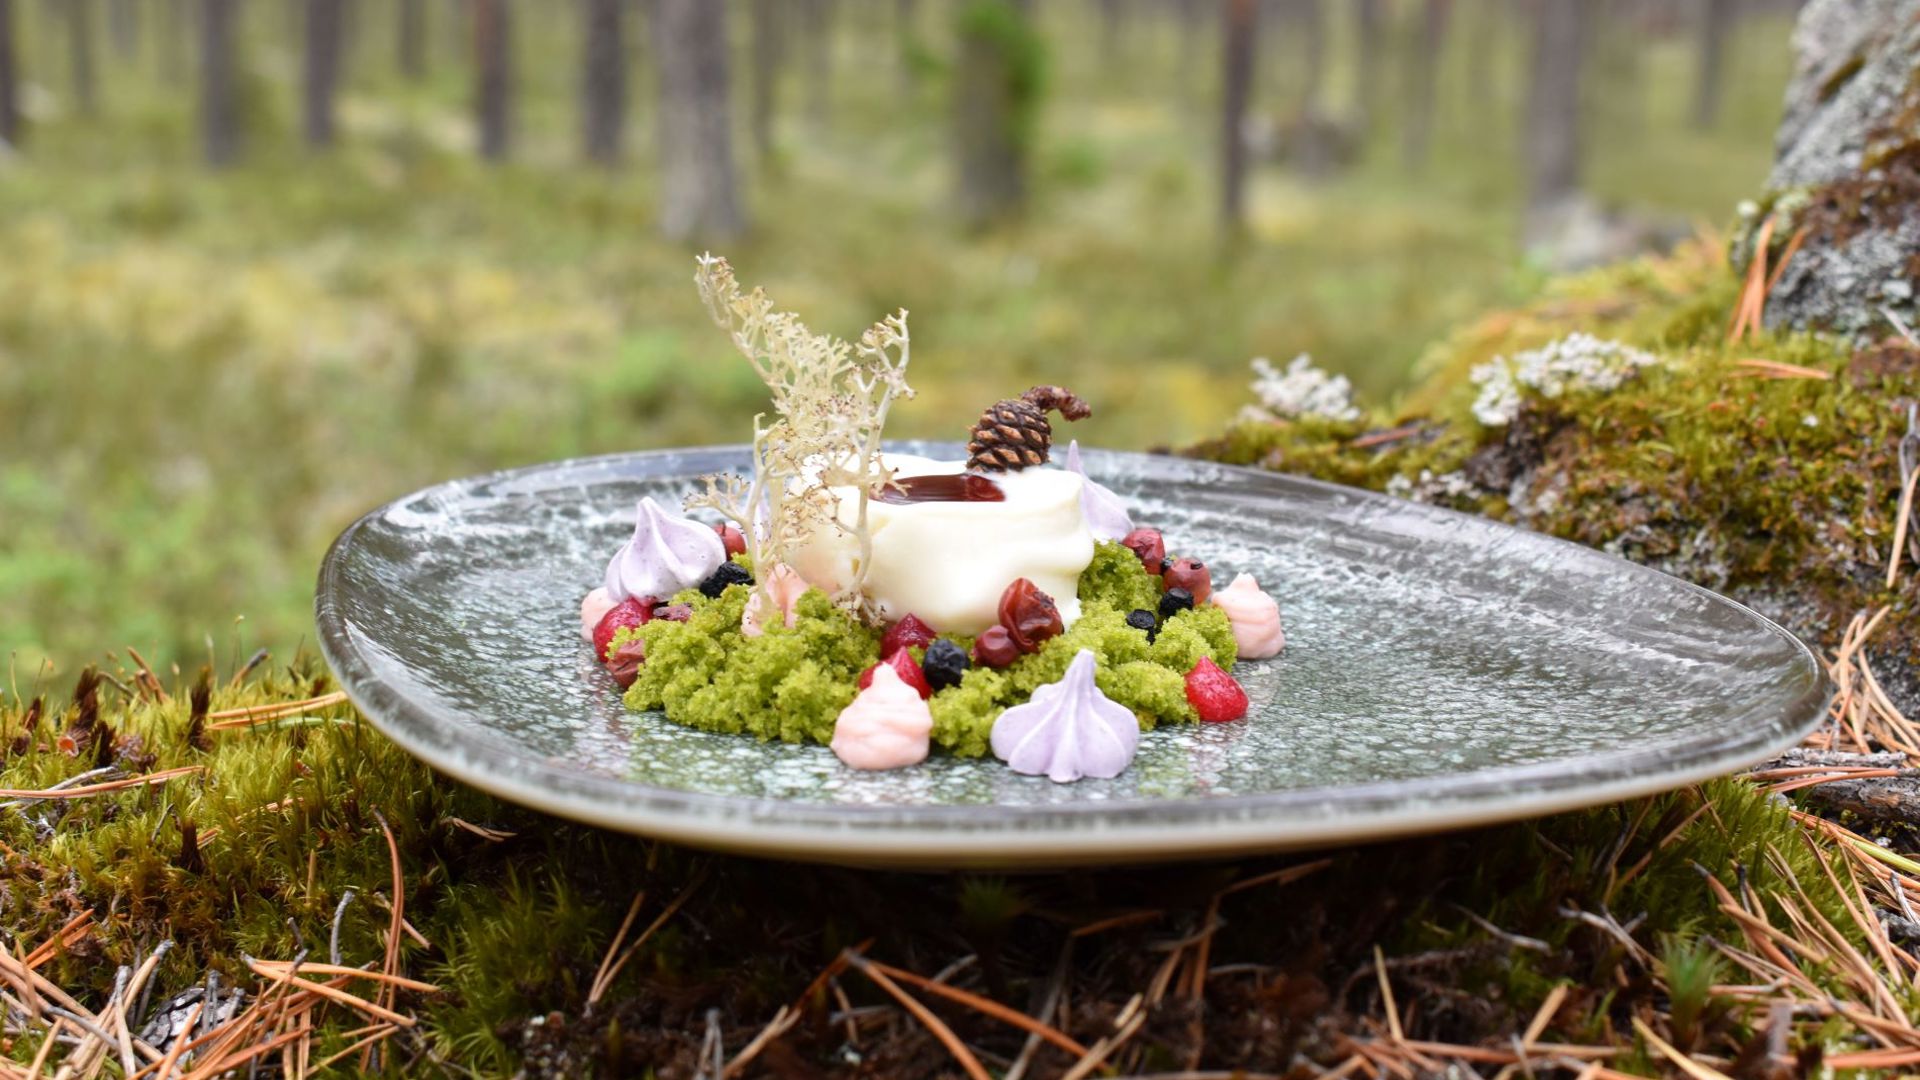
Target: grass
(205, 376)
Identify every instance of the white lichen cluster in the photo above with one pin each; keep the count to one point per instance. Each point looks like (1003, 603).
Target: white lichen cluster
(830, 400)
(1431, 487)
(1577, 362)
(1301, 390)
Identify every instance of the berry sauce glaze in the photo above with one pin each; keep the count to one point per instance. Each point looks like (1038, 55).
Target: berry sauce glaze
(941, 487)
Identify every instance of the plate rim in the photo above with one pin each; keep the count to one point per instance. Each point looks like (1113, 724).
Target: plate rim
(999, 835)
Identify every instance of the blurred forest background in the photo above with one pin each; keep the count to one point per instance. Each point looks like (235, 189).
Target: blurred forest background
(265, 264)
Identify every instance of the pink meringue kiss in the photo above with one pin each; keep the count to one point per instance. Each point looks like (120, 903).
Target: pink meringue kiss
(593, 608)
(886, 727)
(1068, 730)
(782, 587)
(1255, 618)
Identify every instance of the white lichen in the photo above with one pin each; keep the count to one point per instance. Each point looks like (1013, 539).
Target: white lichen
(1575, 363)
(1301, 390)
(830, 401)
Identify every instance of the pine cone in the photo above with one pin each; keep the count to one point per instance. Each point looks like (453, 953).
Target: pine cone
(1014, 434)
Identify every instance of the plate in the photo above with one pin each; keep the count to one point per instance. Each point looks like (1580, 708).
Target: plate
(1442, 671)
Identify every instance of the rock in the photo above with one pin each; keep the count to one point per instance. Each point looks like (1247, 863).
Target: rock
(1847, 170)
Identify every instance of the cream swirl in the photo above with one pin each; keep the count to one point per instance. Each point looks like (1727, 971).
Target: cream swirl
(781, 587)
(1068, 730)
(667, 554)
(593, 607)
(886, 727)
(1106, 514)
(1255, 617)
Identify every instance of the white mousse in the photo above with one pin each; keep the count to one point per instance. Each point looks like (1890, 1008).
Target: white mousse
(948, 562)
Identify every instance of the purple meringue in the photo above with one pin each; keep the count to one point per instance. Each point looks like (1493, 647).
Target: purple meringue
(1106, 515)
(667, 554)
(1068, 730)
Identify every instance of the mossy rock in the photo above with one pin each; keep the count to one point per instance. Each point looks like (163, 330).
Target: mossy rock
(1780, 491)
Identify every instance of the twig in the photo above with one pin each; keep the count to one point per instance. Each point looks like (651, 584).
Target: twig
(84, 790)
(961, 1055)
(602, 985)
(985, 1006)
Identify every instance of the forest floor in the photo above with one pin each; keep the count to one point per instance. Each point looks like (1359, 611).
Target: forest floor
(180, 839)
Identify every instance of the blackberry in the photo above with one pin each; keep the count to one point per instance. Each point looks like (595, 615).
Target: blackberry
(1173, 602)
(1144, 620)
(945, 662)
(730, 573)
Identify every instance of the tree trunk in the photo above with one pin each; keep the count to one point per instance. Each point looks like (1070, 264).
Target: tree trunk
(1423, 69)
(603, 81)
(9, 80)
(1716, 20)
(80, 55)
(1313, 54)
(493, 63)
(1238, 28)
(321, 56)
(1552, 125)
(219, 107)
(991, 109)
(698, 191)
(175, 31)
(1483, 53)
(1369, 29)
(906, 37)
(1112, 20)
(1191, 18)
(411, 41)
(769, 20)
(818, 37)
(123, 26)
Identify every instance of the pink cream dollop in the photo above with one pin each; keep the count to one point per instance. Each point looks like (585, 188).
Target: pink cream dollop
(1255, 617)
(781, 589)
(887, 727)
(593, 607)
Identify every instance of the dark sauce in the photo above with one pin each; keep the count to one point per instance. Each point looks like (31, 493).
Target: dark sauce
(942, 487)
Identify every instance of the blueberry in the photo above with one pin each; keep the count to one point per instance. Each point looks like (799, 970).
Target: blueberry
(1175, 601)
(730, 573)
(1144, 620)
(945, 662)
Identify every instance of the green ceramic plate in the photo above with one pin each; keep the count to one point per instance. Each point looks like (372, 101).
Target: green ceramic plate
(1441, 671)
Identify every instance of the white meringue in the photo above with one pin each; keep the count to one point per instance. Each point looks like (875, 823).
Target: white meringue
(667, 553)
(1106, 514)
(887, 727)
(1068, 730)
(1255, 617)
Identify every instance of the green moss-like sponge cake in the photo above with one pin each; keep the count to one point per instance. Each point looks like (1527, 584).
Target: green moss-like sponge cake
(791, 683)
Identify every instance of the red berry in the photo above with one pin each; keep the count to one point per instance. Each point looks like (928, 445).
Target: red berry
(633, 611)
(1029, 615)
(995, 648)
(1213, 693)
(901, 661)
(1191, 575)
(624, 664)
(1148, 544)
(905, 634)
(735, 541)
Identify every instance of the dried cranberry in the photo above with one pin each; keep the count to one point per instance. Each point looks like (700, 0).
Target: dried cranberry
(901, 661)
(1214, 694)
(1029, 615)
(674, 612)
(624, 664)
(908, 633)
(1191, 575)
(1148, 544)
(732, 538)
(995, 648)
(633, 611)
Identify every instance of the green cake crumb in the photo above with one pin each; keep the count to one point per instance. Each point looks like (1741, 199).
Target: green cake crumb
(791, 683)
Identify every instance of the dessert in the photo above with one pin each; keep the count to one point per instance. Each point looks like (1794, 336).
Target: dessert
(886, 605)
